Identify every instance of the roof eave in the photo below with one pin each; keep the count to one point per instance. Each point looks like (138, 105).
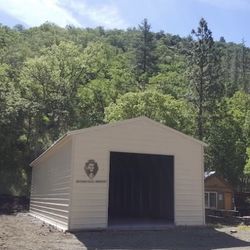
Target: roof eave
(56, 143)
(79, 131)
(75, 132)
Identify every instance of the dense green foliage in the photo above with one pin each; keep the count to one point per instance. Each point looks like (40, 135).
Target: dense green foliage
(56, 79)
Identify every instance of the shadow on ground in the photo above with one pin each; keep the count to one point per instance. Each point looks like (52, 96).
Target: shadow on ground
(179, 238)
(13, 204)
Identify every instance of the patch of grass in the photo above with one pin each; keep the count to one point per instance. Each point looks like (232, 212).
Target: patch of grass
(243, 228)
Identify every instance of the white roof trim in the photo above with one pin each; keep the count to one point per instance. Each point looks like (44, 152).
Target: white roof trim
(141, 118)
(118, 123)
(59, 141)
(176, 131)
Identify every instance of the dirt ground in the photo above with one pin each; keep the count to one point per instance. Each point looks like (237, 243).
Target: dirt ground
(22, 231)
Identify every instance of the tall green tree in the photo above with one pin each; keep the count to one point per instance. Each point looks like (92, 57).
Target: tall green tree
(245, 68)
(204, 75)
(145, 57)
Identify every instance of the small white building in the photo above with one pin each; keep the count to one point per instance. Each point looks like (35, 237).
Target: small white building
(133, 172)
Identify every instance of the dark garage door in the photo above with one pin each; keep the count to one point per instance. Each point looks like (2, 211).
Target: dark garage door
(141, 187)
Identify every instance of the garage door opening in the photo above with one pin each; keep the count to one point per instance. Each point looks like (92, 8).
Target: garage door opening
(141, 189)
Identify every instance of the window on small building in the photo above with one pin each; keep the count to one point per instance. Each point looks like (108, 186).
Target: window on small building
(206, 200)
(220, 197)
(210, 199)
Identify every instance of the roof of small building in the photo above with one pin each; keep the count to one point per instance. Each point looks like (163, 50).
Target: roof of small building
(213, 174)
(209, 173)
(117, 123)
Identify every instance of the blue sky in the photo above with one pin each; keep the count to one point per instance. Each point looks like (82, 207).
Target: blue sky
(228, 18)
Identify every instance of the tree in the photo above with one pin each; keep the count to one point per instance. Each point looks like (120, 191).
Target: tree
(204, 75)
(94, 98)
(222, 39)
(245, 69)
(145, 59)
(172, 80)
(247, 166)
(13, 151)
(163, 108)
(229, 139)
(49, 84)
(55, 79)
(108, 75)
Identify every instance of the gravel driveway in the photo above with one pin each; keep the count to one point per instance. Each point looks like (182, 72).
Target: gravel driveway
(22, 231)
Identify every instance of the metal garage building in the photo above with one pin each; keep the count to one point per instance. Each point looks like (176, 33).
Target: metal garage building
(133, 172)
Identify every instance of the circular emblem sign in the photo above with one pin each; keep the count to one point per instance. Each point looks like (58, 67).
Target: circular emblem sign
(91, 168)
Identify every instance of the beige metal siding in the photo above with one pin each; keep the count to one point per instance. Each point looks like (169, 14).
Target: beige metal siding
(90, 200)
(50, 189)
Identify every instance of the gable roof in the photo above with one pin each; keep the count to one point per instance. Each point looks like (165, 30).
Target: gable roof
(112, 124)
(212, 174)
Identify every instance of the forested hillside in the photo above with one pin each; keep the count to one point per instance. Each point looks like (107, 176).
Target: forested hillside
(56, 79)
